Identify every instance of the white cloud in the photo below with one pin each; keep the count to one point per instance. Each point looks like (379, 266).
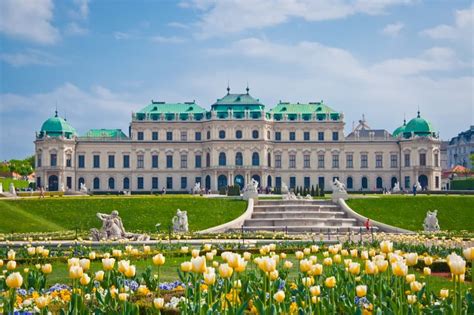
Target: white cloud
(75, 29)
(80, 10)
(463, 27)
(28, 20)
(178, 25)
(167, 40)
(30, 57)
(393, 29)
(122, 35)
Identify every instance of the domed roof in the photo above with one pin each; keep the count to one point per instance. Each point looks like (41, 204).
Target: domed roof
(57, 126)
(400, 130)
(419, 126)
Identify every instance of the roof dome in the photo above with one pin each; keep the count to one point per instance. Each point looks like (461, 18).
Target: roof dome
(419, 126)
(57, 126)
(400, 130)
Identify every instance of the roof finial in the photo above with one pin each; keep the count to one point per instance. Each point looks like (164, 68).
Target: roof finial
(418, 111)
(56, 111)
(228, 87)
(247, 89)
(404, 119)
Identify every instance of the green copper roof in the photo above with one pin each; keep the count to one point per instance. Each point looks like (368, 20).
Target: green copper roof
(165, 108)
(400, 130)
(419, 126)
(302, 108)
(57, 126)
(237, 102)
(106, 133)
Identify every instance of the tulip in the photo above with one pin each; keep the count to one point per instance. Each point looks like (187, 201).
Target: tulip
(31, 251)
(38, 266)
(399, 268)
(237, 284)
(307, 281)
(14, 280)
(354, 253)
(128, 248)
(354, 268)
(45, 253)
(209, 278)
(337, 259)
(209, 256)
(26, 270)
(315, 299)
(273, 275)
(307, 251)
(11, 265)
(279, 296)
(382, 265)
(99, 275)
(315, 290)
(159, 259)
(199, 264)
(75, 272)
(327, 261)
(42, 301)
(11, 254)
(123, 265)
(123, 297)
(272, 246)
(39, 250)
(370, 267)
(73, 262)
(344, 252)
(364, 255)
(386, 247)
(326, 254)
(207, 247)
(225, 271)
(444, 293)
(267, 264)
(159, 303)
(314, 248)
(330, 282)
(411, 299)
(1, 263)
(232, 260)
(361, 290)
(85, 264)
(287, 264)
(415, 286)
(195, 253)
(92, 255)
(130, 271)
(46, 268)
(314, 259)
(305, 265)
(411, 259)
(184, 250)
(316, 270)
(428, 260)
(108, 263)
(85, 279)
(410, 278)
(241, 265)
(117, 253)
(186, 266)
(469, 253)
(426, 271)
(299, 255)
(456, 264)
(283, 255)
(247, 256)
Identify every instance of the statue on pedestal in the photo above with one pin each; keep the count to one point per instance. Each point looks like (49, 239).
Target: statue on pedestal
(83, 188)
(197, 188)
(284, 188)
(1, 188)
(431, 222)
(396, 188)
(250, 190)
(180, 222)
(338, 190)
(112, 229)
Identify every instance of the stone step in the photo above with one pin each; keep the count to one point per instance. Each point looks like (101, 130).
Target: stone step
(260, 208)
(306, 229)
(297, 214)
(286, 202)
(322, 222)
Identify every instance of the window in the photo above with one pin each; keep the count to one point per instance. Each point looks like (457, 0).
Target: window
(184, 161)
(126, 161)
(222, 159)
(184, 136)
(350, 183)
(306, 136)
(321, 182)
(96, 183)
(307, 182)
(422, 159)
(335, 161)
(379, 183)
(268, 134)
(255, 134)
(154, 183)
(436, 181)
(321, 161)
(321, 136)
(349, 161)
(335, 136)
(69, 182)
(269, 159)
(169, 136)
(292, 182)
(154, 135)
(407, 182)
(277, 161)
(111, 183)
(96, 159)
(38, 160)
(278, 181)
(222, 134)
(54, 159)
(292, 136)
(197, 161)
(140, 161)
(365, 183)
(154, 161)
(208, 160)
(198, 180)
(378, 161)
(364, 161)
(111, 161)
(169, 161)
(255, 159)
(292, 161)
(436, 160)
(197, 136)
(239, 161)
(208, 135)
(278, 136)
(140, 135)
(169, 182)
(393, 161)
(140, 182)
(81, 161)
(184, 182)
(126, 183)
(68, 160)
(407, 159)
(306, 161)
(238, 134)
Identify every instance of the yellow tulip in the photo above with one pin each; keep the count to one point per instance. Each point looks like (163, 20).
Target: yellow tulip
(184, 250)
(314, 299)
(73, 262)
(75, 272)
(247, 256)
(195, 253)
(354, 268)
(199, 264)
(444, 293)
(287, 264)
(31, 251)
(207, 247)
(316, 270)
(209, 278)
(307, 281)
(123, 297)
(327, 261)
(469, 253)
(337, 259)
(130, 271)
(354, 253)
(364, 255)
(1, 263)
(209, 256)
(314, 248)
(307, 251)
(299, 255)
(85, 264)
(272, 246)
(411, 299)
(370, 267)
(415, 286)
(99, 275)
(411, 259)
(46, 268)
(11, 265)
(11, 254)
(282, 255)
(146, 249)
(410, 278)
(330, 282)
(386, 247)
(42, 301)
(108, 263)
(45, 253)
(241, 265)
(123, 265)
(267, 264)
(159, 259)
(426, 271)
(315, 290)
(237, 284)
(159, 303)
(26, 270)
(225, 271)
(117, 253)
(344, 252)
(85, 279)
(361, 290)
(382, 265)
(428, 260)
(14, 280)
(279, 296)
(456, 264)
(305, 265)
(186, 266)
(399, 268)
(273, 275)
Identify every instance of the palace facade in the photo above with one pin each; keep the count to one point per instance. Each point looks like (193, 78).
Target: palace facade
(176, 145)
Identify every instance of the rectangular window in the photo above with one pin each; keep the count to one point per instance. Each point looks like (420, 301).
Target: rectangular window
(292, 136)
(54, 159)
(184, 136)
(184, 161)
(307, 182)
(140, 135)
(306, 136)
(277, 161)
(154, 161)
(96, 163)
(38, 161)
(292, 161)
(321, 182)
(184, 182)
(169, 161)
(321, 136)
(278, 181)
(364, 161)
(349, 161)
(407, 159)
(278, 136)
(306, 161)
(335, 136)
(335, 161)
(407, 182)
(393, 161)
(140, 161)
(292, 182)
(422, 159)
(154, 183)
(69, 182)
(378, 161)
(169, 182)
(154, 135)
(197, 136)
(68, 161)
(111, 161)
(197, 179)
(139, 182)
(126, 161)
(169, 136)
(436, 181)
(81, 161)
(197, 161)
(436, 160)
(321, 161)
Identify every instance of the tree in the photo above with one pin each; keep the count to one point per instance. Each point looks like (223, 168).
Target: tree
(471, 157)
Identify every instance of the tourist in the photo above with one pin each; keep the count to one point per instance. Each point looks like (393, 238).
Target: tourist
(367, 225)
(163, 191)
(414, 190)
(41, 192)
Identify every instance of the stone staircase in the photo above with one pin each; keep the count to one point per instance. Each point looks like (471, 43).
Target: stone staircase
(300, 216)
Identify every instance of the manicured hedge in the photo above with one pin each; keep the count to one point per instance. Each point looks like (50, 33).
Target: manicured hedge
(462, 184)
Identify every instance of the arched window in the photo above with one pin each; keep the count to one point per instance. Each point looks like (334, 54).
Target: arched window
(350, 184)
(365, 183)
(255, 134)
(222, 134)
(222, 159)
(255, 159)
(238, 134)
(96, 183)
(268, 134)
(269, 181)
(379, 183)
(239, 160)
(126, 183)
(208, 135)
(81, 181)
(208, 160)
(269, 159)
(394, 181)
(208, 182)
(111, 183)
(221, 181)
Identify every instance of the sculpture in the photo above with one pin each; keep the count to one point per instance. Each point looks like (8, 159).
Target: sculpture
(112, 229)
(83, 188)
(197, 188)
(431, 222)
(62, 188)
(396, 187)
(308, 197)
(284, 188)
(250, 190)
(1, 188)
(290, 196)
(418, 186)
(338, 190)
(12, 189)
(180, 221)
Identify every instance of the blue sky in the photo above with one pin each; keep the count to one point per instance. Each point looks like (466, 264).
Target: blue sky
(101, 60)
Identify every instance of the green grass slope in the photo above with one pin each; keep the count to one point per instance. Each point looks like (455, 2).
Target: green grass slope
(139, 213)
(455, 213)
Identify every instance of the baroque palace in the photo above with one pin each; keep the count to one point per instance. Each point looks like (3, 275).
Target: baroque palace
(176, 145)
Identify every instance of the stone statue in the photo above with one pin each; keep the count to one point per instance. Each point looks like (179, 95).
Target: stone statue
(197, 188)
(338, 190)
(250, 190)
(112, 229)
(418, 186)
(83, 188)
(431, 222)
(62, 188)
(284, 188)
(308, 197)
(12, 189)
(290, 196)
(396, 188)
(1, 188)
(180, 221)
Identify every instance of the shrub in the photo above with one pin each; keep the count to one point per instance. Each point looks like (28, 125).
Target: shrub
(233, 190)
(462, 184)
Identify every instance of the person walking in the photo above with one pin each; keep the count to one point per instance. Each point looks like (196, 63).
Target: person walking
(41, 193)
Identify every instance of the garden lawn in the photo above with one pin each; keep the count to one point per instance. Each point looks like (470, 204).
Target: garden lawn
(18, 183)
(455, 213)
(138, 213)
